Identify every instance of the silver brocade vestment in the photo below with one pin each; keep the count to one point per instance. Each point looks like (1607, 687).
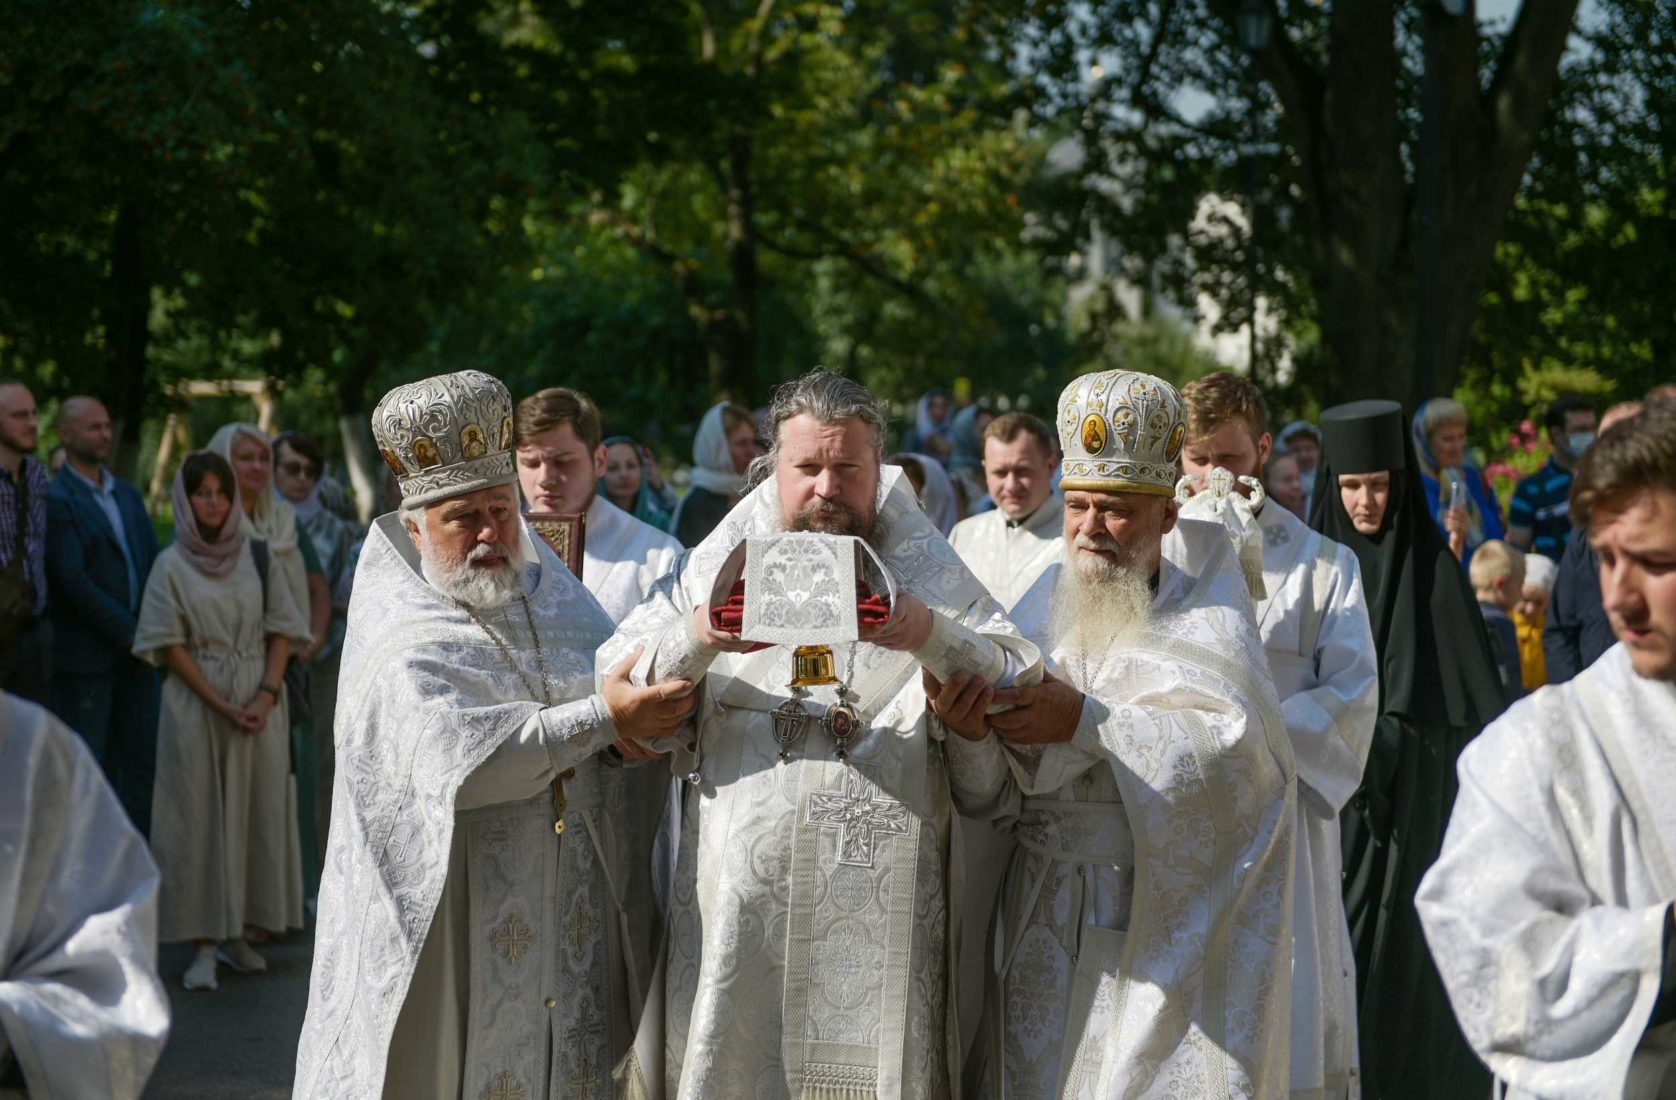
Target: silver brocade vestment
(1546, 910)
(1142, 945)
(809, 927)
(427, 699)
(81, 1006)
(1314, 625)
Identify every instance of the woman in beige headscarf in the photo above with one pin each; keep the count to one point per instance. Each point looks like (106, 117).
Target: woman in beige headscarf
(271, 518)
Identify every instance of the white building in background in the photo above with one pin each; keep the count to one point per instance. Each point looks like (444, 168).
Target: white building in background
(1099, 264)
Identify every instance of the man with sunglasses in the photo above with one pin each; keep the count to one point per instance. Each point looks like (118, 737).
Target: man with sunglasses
(299, 475)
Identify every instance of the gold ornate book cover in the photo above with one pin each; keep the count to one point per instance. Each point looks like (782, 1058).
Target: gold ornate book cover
(564, 532)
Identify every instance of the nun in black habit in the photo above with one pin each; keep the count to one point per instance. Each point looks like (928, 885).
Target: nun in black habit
(1438, 688)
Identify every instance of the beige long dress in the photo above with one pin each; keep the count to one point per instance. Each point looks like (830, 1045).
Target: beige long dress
(224, 815)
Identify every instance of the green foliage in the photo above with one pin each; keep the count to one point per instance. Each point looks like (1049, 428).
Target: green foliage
(1579, 282)
(660, 203)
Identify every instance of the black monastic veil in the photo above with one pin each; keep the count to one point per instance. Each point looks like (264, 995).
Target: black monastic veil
(1438, 688)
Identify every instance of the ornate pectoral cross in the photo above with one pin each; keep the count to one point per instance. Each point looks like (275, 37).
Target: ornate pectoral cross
(790, 718)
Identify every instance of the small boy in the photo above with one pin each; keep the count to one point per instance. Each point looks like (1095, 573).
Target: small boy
(1498, 580)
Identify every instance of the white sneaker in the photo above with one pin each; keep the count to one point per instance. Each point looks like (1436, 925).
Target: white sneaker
(201, 974)
(242, 957)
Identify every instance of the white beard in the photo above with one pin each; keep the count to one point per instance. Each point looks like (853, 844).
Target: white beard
(1099, 605)
(483, 589)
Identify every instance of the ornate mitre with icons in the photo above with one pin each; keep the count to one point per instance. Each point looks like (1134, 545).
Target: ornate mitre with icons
(446, 435)
(1121, 432)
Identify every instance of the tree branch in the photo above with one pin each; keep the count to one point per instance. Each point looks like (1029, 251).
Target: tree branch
(706, 32)
(839, 249)
(1519, 92)
(606, 218)
(753, 49)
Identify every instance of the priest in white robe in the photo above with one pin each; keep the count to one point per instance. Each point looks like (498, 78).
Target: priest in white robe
(556, 435)
(1141, 943)
(1010, 545)
(1549, 911)
(1313, 620)
(82, 1010)
(810, 924)
(470, 938)
(561, 456)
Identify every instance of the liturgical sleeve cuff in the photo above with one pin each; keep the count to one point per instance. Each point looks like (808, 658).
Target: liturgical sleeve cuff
(953, 647)
(572, 732)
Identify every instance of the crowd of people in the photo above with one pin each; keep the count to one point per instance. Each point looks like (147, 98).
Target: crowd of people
(1154, 761)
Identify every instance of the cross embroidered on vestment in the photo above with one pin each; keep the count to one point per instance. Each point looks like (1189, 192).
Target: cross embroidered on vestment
(862, 817)
(511, 938)
(504, 1087)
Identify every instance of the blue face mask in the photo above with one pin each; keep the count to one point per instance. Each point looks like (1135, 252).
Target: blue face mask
(1578, 442)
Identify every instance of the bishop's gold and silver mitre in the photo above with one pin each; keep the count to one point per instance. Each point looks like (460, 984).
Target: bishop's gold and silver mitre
(446, 435)
(1121, 432)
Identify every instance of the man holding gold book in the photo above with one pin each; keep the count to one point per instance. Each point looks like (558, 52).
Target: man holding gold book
(810, 926)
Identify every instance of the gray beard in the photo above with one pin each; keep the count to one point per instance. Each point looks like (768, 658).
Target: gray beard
(482, 589)
(1099, 606)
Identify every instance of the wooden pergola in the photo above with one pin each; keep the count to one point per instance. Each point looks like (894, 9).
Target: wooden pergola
(177, 436)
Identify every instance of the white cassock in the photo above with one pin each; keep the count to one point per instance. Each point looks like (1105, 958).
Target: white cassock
(464, 948)
(810, 927)
(1141, 945)
(622, 557)
(1007, 557)
(1546, 911)
(81, 1008)
(1314, 626)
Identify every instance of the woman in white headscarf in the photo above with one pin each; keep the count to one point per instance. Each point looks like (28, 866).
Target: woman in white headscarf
(938, 497)
(271, 518)
(722, 451)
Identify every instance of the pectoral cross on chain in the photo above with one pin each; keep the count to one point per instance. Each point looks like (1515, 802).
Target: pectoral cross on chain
(862, 814)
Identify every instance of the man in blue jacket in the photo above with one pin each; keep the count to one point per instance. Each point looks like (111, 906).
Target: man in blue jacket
(100, 546)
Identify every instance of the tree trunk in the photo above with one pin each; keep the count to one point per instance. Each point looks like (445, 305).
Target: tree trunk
(1399, 270)
(127, 318)
(742, 268)
(366, 467)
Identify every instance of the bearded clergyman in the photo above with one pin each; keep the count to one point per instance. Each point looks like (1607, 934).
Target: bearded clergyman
(810, 924)
(468, 940)
(1141, 944)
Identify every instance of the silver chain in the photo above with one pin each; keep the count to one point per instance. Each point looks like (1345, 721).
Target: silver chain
(540, 657)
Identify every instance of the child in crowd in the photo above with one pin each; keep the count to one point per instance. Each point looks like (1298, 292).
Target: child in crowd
(1497, 571)
(1531, 615)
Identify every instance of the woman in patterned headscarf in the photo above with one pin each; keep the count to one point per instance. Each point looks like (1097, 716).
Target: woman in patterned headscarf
(223, 824)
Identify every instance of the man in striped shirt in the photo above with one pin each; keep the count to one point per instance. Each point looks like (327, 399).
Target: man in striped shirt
(1539, 519)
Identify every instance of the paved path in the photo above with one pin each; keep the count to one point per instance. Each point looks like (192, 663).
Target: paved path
(240, 1042)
